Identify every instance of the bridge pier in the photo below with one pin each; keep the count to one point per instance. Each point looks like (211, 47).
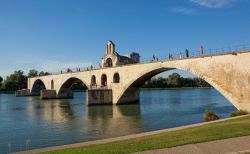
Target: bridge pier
(23, 93)
(99, 96)
(48, 94)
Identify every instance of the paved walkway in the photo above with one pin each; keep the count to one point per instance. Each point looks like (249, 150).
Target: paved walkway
(228, 146)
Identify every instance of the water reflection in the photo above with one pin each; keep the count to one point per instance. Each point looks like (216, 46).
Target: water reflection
(52, 110)
(114, 120)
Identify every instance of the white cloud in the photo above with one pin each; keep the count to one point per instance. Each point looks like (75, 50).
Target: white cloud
(213, 3)
(182, 10)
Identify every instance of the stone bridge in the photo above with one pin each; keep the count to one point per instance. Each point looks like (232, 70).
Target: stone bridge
(229, 73)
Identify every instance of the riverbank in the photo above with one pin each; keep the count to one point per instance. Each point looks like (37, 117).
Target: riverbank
(7, 92)
(197, 133)
(84, 90)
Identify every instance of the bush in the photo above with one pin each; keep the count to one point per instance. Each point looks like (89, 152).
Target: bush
(210, 116)
(238, 113)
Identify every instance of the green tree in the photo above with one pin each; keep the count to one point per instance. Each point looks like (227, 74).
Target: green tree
(42, 73)
(174, 80)
(33, 73)
(1, 80)
(15, 81)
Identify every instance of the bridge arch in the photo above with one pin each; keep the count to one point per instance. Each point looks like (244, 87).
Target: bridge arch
(37, 87)
(133, 87)
(65, 91)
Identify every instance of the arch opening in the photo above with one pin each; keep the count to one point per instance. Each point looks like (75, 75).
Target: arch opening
(196, 81)
(116, 78)
(37, 87)
(109, 62)
(104, 80)
(93, 82)
(52, 84)
(69, 86)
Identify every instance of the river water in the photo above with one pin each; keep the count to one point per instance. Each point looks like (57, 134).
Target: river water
(29, 123)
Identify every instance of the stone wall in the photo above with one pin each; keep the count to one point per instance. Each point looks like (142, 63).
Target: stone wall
(99, 96)
(22, 93)
(48, 94)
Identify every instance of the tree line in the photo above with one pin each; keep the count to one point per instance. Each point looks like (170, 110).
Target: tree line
(18, 80)
(175, 81)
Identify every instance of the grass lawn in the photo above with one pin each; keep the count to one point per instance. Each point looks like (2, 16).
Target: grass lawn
(214, 131)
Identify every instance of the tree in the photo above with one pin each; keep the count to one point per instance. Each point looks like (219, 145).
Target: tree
(15, 81)
(1, 80)
(42, 73)
(33, 73)
(174, 80)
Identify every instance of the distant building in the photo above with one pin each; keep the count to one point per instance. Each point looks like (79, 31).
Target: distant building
(112, 58)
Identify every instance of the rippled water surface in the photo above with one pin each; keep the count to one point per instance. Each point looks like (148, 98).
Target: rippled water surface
(28, 122)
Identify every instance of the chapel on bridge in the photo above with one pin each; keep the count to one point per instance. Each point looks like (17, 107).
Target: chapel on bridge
(112, 58)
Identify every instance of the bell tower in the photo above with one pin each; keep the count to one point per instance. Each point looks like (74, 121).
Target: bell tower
(110, 48)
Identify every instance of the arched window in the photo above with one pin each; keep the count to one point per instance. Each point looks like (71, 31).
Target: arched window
(93, 81)
(104, 80)
(116, 78)
(109, 62)
(52, 84)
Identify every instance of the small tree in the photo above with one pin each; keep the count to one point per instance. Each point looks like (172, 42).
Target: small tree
(210, 116)
(1, 80)
(174, 80)
(33, 73)
(42, 73)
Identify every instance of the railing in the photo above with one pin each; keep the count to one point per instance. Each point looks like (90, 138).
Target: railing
(196, 53)
(175, 56)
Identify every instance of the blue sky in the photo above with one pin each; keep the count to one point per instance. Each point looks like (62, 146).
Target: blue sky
(51, 35)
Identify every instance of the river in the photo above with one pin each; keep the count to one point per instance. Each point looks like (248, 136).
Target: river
(29, 123)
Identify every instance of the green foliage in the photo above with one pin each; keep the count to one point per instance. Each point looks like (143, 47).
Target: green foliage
(174, 81)
(210, 116)
(32, 73)
(42, 73)
(1, 80)
(238, 113)
(15, 81)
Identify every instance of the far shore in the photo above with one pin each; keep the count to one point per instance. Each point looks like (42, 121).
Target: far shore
(177, 88)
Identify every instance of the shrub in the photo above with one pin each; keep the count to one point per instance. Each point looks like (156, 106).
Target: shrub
(210, 116)
(238, 113)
